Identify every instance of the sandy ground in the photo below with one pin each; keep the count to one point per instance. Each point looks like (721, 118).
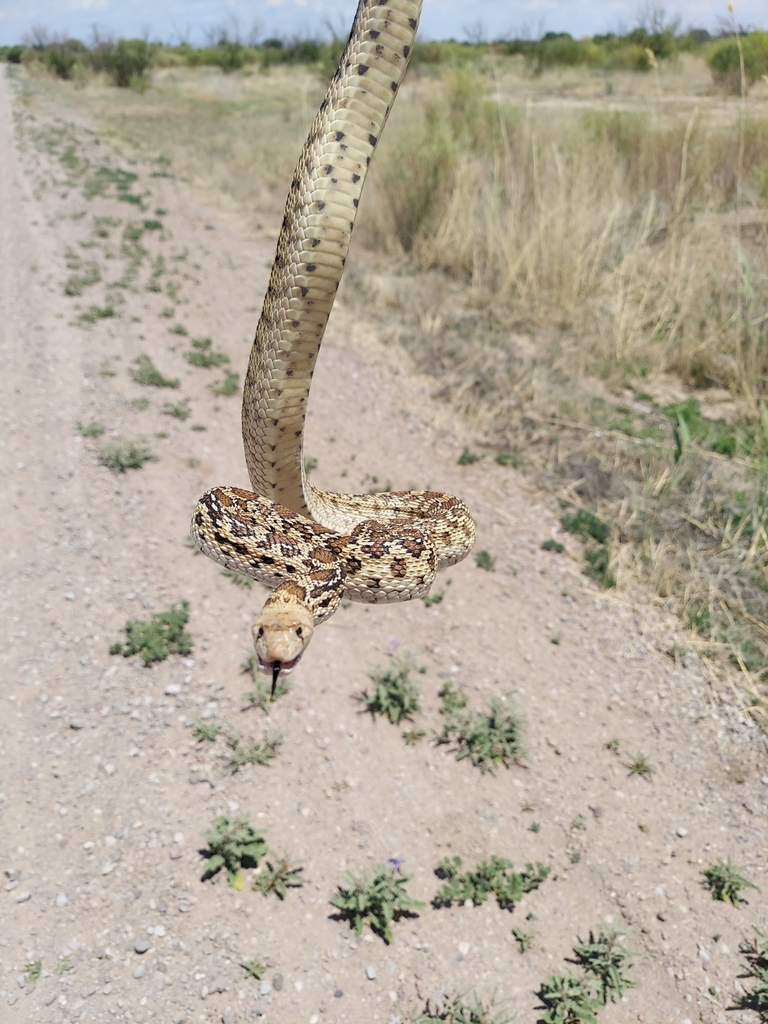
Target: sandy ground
(104, 792)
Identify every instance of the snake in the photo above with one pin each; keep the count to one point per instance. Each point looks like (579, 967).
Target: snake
(310, 546)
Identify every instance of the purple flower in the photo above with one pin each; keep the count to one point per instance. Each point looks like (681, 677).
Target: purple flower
(395, 863)
(394, 642)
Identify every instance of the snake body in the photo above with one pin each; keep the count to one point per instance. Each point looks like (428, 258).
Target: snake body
(315, 546)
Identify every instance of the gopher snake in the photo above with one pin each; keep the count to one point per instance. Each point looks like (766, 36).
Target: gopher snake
(314, 546)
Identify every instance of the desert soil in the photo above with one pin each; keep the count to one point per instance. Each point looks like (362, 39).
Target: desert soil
(105, 792)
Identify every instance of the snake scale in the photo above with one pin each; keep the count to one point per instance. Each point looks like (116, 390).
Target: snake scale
(313, 546)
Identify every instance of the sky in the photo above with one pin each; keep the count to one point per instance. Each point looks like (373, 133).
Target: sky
(172, 20)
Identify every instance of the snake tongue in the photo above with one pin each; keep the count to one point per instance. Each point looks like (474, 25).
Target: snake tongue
(276, 666)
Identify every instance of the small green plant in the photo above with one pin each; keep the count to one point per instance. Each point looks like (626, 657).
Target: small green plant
(484, 560)
(122, 454)
(598, 566)
(238, 578)
(77, 282)
(604, 960)
(535, 826)
(91, 429)
(233, 844)
(454, 1010)
(227, 387)
(585, 524)
(260, 695)
(254, 968)
(467, 458)
(140, 404)
(509, 459)
(575, 857)
(756, 953)
(436, 598)
(147, 374)
(524, 939)
(203, 356)
(378, 901)
(495, 877)
(579, 823)
(310, 463)
(62, 967)
(612, 745)
(276, 879)
(725, 880)
(640, 766)
(569, 1000)
(412, 736)
(179, 410)
(486, 738)
(395, 694)
(153, 225)
(252, 752)
(34, 970)
(553, 545)
(207, 729)
(155, 640)
(94, 313)
(179, 329)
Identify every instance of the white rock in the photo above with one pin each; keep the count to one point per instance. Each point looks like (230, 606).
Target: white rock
(23, 896)
(370, 972)
(61, 900)
(265, 988)
(463, 948)
(682, 832)
(172, 689)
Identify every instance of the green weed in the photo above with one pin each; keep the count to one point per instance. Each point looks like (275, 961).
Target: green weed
(484, 560)
(179, 329)
(153, 225)
(436, 598)
(641, 766)
(233, 844)
(140, 404)
(122, 454)
(203, 356)
(524, 939)
(260, 695)
(569, 1000)
(254, 968)
(162, 636)
(553, 545)
(725, 881)
(756, 953)
(395, 694)
(276, 879)
(226, 387)
(495, 877)
(63, 966)
(34, 970)
(179, 410)
(535, 826)
(412, 736)
(509, 459)
(310, 463)
(454, 1010)
(467, 458)
(147, 374)
(94, 313)
(377, 901)
(585, 524)
(75, 283)
(207, 729)
(252, 752)
(486, 738)
(91, 429)
(604, 960)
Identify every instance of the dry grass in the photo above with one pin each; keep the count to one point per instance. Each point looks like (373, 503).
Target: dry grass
(568, 256)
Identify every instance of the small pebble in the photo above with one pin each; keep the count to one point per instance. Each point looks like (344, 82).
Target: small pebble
(218, 984)
(49, 999)
(180, 1018)
(228, 1016)
(661, 916)
(141, 946)
(87, 990)
(77, 723)
(265, 988)
(175, 853)
(682, 832)
(61, 900)
(463, 948)
(159, 930)
(277, 982)
(338, 993)
(139, 970)
(259, 1010)
(23, 896)
(370, 972)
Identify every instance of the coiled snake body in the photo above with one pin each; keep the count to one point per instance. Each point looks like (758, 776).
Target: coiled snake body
(314, 546)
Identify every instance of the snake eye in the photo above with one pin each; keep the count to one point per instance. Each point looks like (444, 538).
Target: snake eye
(261, 631)
(299, 631)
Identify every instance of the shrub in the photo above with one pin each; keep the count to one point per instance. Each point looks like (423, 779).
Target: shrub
(378, 901)
(495, 877)
(155, 640)
(725, 64)
(233, 844)
(395, 694)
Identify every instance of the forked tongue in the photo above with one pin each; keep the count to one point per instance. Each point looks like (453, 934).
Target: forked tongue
(276, 665)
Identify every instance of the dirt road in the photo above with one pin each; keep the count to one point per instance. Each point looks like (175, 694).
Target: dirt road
(105, 793)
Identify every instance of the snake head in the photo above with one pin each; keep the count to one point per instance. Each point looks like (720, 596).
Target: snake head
(281, 633)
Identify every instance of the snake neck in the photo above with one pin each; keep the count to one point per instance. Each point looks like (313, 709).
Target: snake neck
(312, 248)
